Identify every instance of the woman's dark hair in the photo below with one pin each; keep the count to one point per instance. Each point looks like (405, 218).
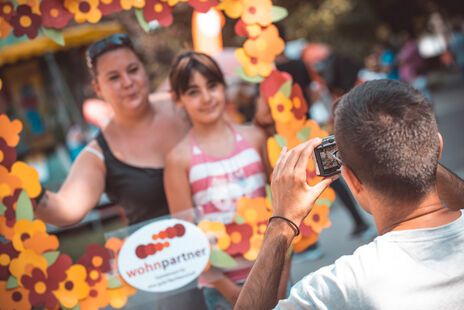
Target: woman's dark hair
(183, 67)
(110, 43)
(387, 134)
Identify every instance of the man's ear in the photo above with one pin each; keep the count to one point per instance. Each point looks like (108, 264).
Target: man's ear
(441, 144)
(351, 180)
(96, 88)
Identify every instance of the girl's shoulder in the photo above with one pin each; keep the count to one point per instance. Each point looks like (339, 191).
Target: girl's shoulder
(251, 133)
(180, 154)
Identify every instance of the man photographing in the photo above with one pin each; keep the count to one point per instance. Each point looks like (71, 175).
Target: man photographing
(389, 144)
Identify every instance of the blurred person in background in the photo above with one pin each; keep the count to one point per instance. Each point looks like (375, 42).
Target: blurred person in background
(456, 45)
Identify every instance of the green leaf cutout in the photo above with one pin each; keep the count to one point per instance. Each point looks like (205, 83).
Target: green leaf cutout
(2, 208)
(268, 192)
(281, 142)
(143, 23)
(278, 13)
(286, 89)
(246, 78)
(12, 283)
(113, 282)
(323, 201)
(221, 259)
(76, 307)
(55, 34)
(239, 219)
(24, 208)
(303, 134)
(51, 257)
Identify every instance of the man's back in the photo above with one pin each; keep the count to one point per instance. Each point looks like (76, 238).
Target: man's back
(411, 269)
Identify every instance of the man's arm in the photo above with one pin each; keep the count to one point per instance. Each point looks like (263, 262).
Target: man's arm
(450, 188)
(292, 199)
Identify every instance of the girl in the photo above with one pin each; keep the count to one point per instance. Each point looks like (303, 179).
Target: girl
(213, 166)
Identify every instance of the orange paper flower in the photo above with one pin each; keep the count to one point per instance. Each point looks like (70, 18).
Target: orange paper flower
(84, 10)
(29, 178)
(99, 297)
(41, 242)
(5, 28)
(253, 210)
(256, 242)
(8, 183)
(318, 218)
(118, 296)
(266, 46)
(74, 288)
(216, 234)
(25, 262)
(14, 299)
(232, 8)
(251, 65)
(301, 243)
(5, 230)
(9, 130)
(281, 108)
(257, 12)
(24, 230)
(273, 150)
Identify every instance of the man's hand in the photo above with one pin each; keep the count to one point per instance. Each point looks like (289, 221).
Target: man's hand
(292, 197)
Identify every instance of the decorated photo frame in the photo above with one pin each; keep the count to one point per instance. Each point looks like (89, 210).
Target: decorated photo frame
(33, 272)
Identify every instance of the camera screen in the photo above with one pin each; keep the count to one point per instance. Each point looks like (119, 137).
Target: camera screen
(328, 161)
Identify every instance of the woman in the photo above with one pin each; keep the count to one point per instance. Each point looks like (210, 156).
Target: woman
(216, 164)
(126, 159)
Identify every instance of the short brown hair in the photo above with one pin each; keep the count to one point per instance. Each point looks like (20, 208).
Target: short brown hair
(387, 134)
(183, 67)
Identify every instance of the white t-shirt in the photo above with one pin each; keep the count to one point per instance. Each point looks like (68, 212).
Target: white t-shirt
(411, 269)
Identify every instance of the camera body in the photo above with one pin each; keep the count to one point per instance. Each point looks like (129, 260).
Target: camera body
(325, 158)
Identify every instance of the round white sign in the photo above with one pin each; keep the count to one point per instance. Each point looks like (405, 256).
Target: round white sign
(164, 255)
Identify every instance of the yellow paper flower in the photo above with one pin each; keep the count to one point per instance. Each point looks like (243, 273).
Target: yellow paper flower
(24, 230)
(318, 218)
(129, 4)
(266, 46)
(29, 178)
(118, 296)
(25, 263)
(251, 65)
(232, 8)
(301, 243)
(273, 150)
(216, 233)
(281, 108)
(84, 10)
(257, 11)
(256, 242)
(74, 288)
(9, 130)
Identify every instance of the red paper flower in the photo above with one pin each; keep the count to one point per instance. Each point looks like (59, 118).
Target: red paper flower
(300, 108)
(57, 271)
(7, 10)
(10, 212)
(161, 11)
(240, 235)
(40, 288)
(240, 28)
(7, 154)
(54, 14)
(203, 6)
(7, 253)
(25, 22)
(271, 85)
(109, 6)
(96, 257)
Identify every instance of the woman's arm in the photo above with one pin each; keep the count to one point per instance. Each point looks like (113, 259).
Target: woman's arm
(80, 192)
(176, 183)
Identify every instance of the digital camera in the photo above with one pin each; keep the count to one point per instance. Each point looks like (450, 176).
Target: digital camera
(326, 159)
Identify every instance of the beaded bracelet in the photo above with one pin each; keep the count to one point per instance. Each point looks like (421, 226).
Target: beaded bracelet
(294, 226)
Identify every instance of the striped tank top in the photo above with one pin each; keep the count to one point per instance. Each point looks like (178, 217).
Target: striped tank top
(218, 183)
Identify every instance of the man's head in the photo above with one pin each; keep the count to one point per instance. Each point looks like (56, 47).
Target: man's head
(387, 136)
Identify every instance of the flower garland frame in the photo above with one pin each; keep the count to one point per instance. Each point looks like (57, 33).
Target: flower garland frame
(32, 271)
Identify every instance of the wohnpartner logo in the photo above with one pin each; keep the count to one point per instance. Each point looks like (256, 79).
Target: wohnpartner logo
(143, 251)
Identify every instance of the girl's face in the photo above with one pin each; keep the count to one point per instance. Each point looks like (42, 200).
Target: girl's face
(121, 81)
(204, 100)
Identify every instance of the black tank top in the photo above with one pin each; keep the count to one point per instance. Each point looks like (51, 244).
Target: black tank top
(139, 191)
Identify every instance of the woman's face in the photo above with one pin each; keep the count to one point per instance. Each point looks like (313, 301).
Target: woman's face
(204, 100)
(121, 80)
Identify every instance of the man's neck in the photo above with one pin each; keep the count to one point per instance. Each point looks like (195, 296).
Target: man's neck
(428, 213)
